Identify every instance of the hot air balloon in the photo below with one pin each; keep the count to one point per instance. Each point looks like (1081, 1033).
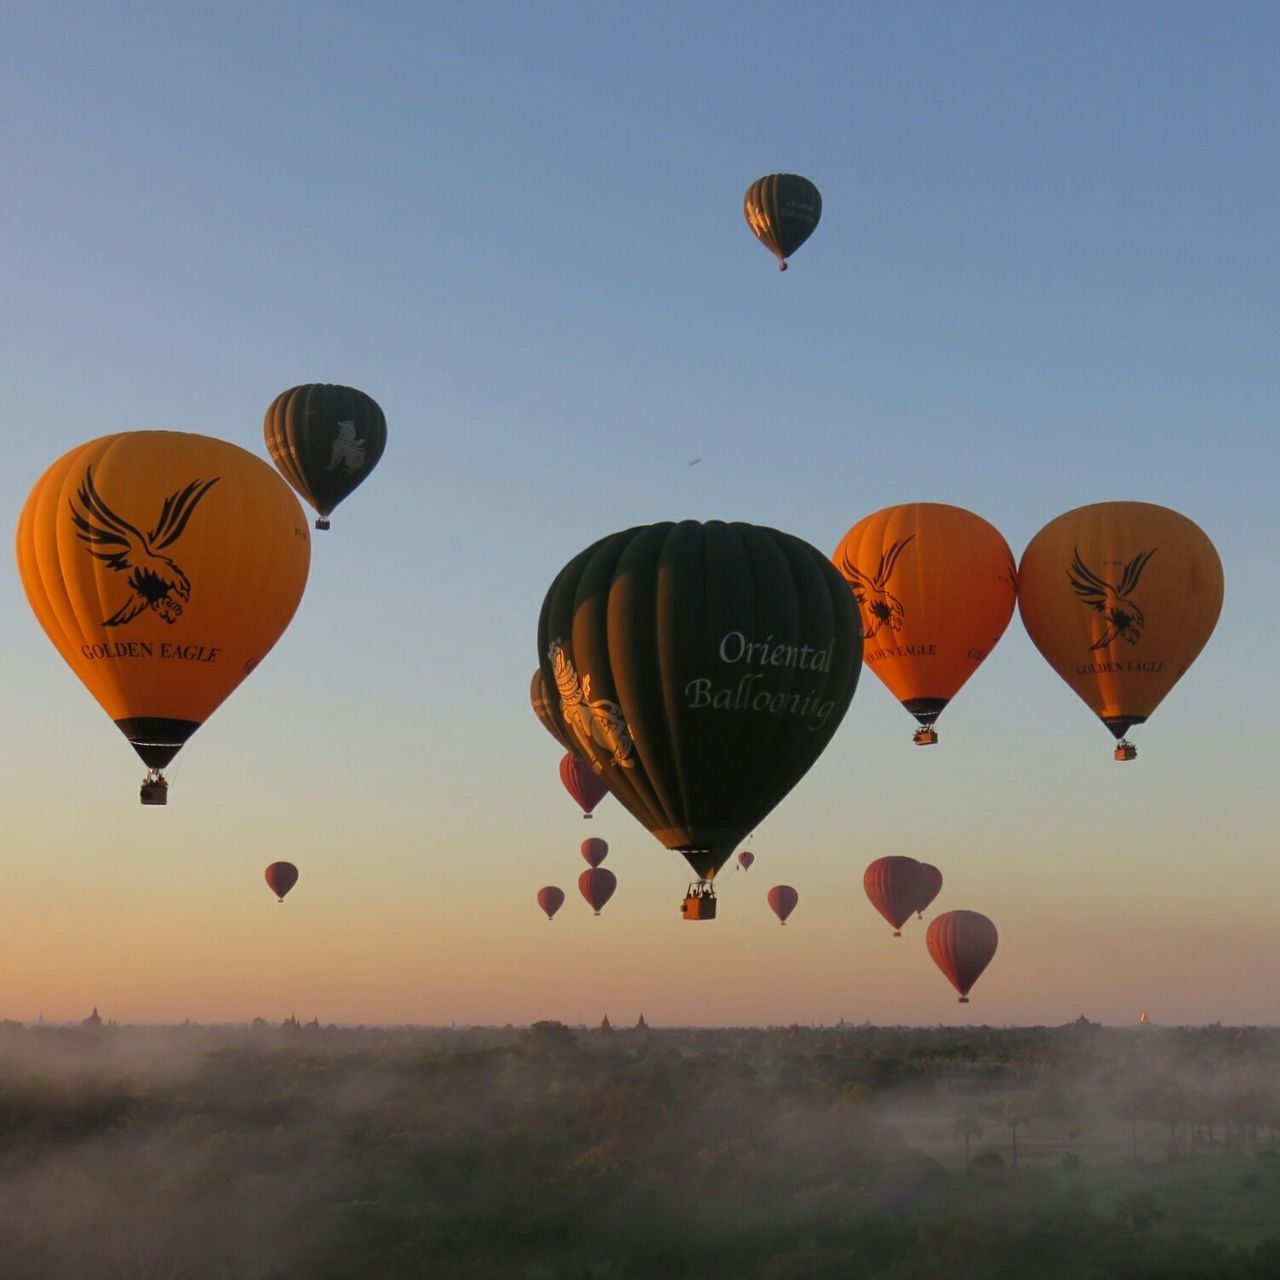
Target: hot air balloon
(581, 782)
(702, 668)
(782, 901)
(1120, 597)
(935, 585)
(325, 439)
(163, 566)
(281, 877)
(895, 887)
(782, 210)
(596, 884)
(594, 851)
(961, 944)
(745, 859)
(543, 709)
(550, 899)
(930, 887)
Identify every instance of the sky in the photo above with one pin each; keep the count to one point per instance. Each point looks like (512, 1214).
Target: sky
(1045, 276)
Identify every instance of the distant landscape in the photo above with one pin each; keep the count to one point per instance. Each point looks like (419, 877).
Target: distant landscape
(291, 1151)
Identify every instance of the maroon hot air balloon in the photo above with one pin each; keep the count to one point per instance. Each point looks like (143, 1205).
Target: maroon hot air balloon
(597, 884)
(893, 884)
(962, 944)
(595, 851)
(783, 899)
(281, 877)
(550, 899)
(930, 887)
(745, 859)
(581, 782)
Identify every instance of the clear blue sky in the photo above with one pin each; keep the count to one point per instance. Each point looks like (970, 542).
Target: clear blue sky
(1046, 275)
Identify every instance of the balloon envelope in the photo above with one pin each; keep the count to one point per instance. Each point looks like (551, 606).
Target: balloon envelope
(546, 712)
(550, 899)
(782, 900)
(1120, 597)
(962, 944)
(281, 877)
(895, 887)
(745, 859)
(702, 668)
(782, 209)
(930, 886)
(596, 885)
(325, 439)
(935, 587)
(163, 566)
(581, 782)
(595, 851)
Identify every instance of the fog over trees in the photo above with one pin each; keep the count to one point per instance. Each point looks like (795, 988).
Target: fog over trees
(301, 1152)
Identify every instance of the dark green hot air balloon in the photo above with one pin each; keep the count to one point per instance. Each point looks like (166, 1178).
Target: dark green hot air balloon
(324, 439)
(782, 209)
(701, 669)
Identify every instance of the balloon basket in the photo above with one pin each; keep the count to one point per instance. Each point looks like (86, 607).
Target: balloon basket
(1125, 751)
(963, 1000)
(322, 523)
(155, 790)
(699, 902)
(924, 737)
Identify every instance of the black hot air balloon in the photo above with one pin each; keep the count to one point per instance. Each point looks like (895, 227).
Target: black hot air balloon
(547, 711)
(782, 209)
(701, 668)
(324, 439)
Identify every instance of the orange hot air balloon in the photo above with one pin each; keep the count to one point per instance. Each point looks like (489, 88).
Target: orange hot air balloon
(782, 901)
(550, 899)
(1120, 597)
(596, 885)
(281, 877)
(930, 887)
(163, 566)
(581, 782)
(935, 587)
(595, 851)
(895, 887)
(745, 859)
(962, 944)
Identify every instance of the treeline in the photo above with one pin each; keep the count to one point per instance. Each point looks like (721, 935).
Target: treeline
(541, 1153)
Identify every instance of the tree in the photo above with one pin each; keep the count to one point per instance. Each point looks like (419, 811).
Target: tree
(967, 1128)
(1014, 1113)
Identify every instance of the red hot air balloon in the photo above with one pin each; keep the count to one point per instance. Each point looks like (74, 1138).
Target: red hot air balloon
(550, 899)
(930, 887)
(962, 944)
(281, 877)
(783, 899)
(596, 885)
(894, 886)
(595, 851)
(745, 859)
(581, 782)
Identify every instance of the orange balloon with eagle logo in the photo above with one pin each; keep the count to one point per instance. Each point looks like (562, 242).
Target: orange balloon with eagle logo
(1120, 597)
(163, 566)
(935, 586)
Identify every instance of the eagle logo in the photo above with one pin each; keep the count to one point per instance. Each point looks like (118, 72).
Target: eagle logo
(155, 582)
(879, 606)
(1122, 617)
(594, 723)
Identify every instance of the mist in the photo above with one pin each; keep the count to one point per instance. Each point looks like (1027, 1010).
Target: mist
(278, 1152)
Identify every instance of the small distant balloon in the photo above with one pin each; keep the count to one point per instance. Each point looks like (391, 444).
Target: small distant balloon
(550, 899)
(596, 885)
(281, 877)
(962, 944)
(782, 209)
(595, 851)
(782, 900)
(582, 782)
(745, 859)
(930, 887)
